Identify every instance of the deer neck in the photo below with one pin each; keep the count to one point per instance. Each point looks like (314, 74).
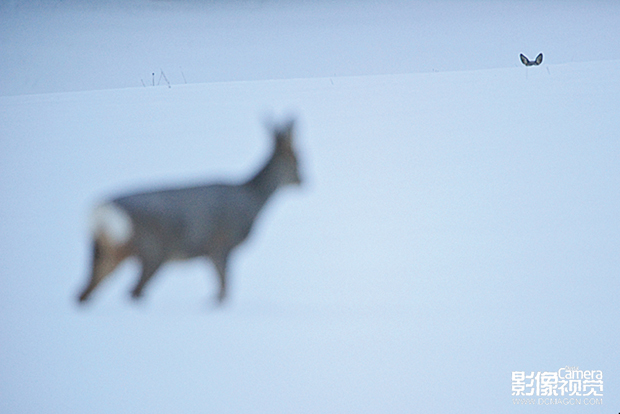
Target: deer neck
(265, 182)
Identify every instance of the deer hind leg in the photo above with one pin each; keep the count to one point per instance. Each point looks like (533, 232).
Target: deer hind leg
(106, 257)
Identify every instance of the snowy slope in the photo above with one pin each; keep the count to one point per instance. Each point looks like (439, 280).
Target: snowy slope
(454, 227)
(73, 45)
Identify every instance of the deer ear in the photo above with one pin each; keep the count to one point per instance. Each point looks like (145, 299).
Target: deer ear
(290, 126)
(283, 133)
(539, 59)
(524, 60)
(287, 131)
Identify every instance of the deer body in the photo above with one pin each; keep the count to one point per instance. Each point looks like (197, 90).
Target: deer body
(182, 223)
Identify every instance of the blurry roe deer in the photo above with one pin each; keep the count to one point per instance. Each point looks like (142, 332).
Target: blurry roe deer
(182, 223)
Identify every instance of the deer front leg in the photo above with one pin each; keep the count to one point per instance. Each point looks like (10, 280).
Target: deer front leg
(221, 261)
(149, 267)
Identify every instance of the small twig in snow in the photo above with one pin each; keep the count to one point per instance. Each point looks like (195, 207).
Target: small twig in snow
(165, 78)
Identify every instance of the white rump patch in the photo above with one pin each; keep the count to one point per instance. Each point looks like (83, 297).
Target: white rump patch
(113, 222)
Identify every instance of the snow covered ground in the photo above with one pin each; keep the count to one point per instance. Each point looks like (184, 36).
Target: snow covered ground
(453, 227)
(51, 46)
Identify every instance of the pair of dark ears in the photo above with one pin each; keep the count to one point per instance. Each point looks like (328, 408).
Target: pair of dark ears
(282, 132)
(528, 62)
